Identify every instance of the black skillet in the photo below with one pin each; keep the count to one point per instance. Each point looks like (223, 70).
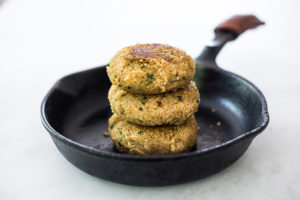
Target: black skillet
(231, 113)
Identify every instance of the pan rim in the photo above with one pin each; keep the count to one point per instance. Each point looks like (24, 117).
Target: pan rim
(120, 156)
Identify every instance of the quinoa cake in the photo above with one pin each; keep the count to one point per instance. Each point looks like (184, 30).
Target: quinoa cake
(172, 108)
(144, 140)
(150, 68)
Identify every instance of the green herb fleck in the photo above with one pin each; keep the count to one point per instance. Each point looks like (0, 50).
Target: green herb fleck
(143, 101)
(173, 81)
(108, 64)
(130, 60)
(172, 53)
(140, 132)
(150, 78)
(142, 66)
(111, 126)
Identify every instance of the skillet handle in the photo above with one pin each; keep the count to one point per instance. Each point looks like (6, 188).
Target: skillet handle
(227, 31)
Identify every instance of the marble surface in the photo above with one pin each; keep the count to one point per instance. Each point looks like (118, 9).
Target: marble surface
(41, 41)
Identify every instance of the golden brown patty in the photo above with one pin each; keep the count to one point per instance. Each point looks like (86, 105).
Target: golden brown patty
(150, 68)
(143, 140)
(170, 108)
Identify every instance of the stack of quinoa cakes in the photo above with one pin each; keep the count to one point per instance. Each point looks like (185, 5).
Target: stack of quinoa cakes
(153, 100)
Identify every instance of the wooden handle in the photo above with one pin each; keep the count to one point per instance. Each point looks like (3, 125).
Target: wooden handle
(239, 23)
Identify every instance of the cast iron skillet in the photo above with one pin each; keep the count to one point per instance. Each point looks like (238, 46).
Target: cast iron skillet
(231, 113)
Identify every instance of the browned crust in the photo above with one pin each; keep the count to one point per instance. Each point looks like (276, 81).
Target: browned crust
(152, 52)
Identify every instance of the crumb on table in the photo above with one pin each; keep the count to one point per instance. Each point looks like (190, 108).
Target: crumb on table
(219, 123)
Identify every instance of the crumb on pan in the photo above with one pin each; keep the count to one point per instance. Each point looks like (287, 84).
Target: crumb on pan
(106, 134)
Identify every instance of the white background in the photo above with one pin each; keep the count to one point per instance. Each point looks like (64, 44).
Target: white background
(41, 41)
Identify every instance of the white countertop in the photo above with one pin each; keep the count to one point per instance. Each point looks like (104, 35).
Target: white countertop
(40, 41)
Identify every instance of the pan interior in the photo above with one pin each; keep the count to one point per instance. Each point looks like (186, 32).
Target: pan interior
(78, 108)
